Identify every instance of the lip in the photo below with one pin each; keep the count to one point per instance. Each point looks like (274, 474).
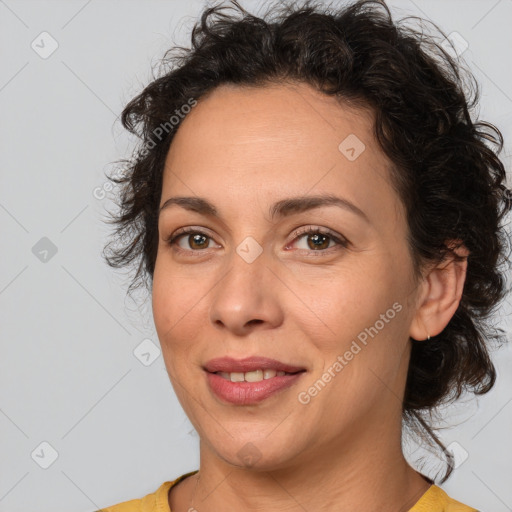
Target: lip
(247, 393)
(249, 364)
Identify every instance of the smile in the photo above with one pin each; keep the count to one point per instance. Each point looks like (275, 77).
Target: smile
(244, 392)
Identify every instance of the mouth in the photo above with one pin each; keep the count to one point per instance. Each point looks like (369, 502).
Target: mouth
(251, 380)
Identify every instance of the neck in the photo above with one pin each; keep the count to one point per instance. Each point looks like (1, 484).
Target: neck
(379, 478)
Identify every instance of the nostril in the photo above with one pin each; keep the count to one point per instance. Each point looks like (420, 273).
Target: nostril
(254, 321)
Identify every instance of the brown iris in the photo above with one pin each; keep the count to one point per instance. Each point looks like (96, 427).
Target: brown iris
(194, 238)
(316, 237)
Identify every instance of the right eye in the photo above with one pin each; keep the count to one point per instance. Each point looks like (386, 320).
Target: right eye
(196, 240)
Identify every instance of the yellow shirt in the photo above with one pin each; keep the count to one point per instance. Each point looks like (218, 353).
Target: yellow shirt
(433, 500)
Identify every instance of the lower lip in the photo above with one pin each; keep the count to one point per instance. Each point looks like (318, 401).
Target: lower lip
(246, 393)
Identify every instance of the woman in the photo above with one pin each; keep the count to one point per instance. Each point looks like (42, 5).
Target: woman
(319, 220)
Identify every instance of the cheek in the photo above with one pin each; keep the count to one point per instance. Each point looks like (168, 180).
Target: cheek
(170, 294)
(161, 301)
(169, 302)
(179, 307)
(359, 326)
(350, 300)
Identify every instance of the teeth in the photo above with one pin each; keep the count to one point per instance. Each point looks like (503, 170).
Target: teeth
(237, 377)
(268, 374)
(254, 376)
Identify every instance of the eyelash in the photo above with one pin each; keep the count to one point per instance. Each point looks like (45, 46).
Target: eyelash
(309, 230)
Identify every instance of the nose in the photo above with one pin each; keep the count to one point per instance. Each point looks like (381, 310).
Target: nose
(247, 297)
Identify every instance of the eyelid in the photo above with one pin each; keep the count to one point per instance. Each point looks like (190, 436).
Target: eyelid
(188, 230)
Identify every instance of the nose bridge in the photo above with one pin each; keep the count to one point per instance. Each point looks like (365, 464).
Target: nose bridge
(244, 294)
(246, 271)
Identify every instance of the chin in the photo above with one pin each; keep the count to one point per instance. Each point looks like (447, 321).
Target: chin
(257, 453)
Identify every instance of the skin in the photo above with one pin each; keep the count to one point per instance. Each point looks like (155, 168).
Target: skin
(243, 149)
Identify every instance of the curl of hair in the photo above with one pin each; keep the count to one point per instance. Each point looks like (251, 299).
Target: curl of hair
(445, 166)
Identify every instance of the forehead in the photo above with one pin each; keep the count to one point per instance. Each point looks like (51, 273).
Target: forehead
(279, 139)
(274, 114)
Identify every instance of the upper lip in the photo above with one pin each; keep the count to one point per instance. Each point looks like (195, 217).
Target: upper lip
(249, 364)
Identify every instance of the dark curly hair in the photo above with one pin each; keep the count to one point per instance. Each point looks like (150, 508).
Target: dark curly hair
(446, 168)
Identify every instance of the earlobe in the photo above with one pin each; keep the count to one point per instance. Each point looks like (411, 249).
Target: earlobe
(442, 292)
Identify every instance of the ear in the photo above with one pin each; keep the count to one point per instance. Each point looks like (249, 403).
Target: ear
(441, 291)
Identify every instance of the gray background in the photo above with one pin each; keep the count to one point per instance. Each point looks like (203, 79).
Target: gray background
(69, 375)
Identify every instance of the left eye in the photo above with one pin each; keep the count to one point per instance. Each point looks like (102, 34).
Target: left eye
(318, 240)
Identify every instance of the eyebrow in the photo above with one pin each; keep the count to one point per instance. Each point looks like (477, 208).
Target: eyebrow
(282, 208)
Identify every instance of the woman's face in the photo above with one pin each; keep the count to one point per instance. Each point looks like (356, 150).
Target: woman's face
(336, 305)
